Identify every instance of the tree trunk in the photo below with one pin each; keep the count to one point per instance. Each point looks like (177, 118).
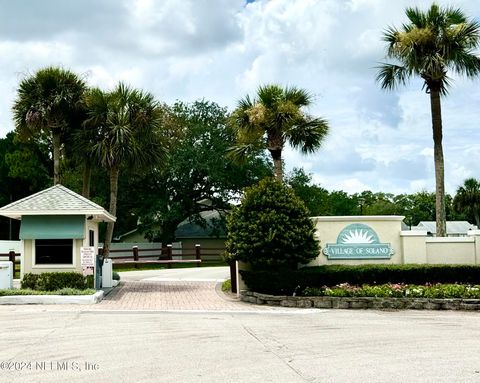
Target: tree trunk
(114, 173)
(477, 217)
(87, 172)
(277, 164)
(439, 162)
(56, 156)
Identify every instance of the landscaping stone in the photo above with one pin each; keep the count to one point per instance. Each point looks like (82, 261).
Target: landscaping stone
(273, 303)
(288, 303)
(340, 303)
(362, 302)
(304, 303)
(322, 303)
(413, 304)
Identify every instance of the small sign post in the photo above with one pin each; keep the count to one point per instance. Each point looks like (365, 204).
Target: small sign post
(87, 259)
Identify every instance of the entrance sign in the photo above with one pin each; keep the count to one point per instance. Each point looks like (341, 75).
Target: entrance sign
(358, 241)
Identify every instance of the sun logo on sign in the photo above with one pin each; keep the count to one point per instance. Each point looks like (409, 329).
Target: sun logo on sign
(357, 236)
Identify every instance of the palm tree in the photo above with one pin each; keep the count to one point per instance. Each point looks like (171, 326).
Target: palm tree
(467, 199)
(431, 44)
(80, 142)
(127, 122)
(272, 119)
(48, 104)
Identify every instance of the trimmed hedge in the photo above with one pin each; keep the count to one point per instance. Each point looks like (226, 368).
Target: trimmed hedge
(287, 282)
(67, 291)
(271, 228)
(54, 281)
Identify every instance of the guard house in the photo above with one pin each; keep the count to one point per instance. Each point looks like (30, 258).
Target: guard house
(55, 224)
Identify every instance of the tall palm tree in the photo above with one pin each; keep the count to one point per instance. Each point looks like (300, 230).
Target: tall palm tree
(127, 122)
(467, 199)
(274, 117)
(431, 44)
(48, 104)
(80, 142)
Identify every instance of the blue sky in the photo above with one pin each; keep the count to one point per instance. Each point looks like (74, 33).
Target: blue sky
(222, 50)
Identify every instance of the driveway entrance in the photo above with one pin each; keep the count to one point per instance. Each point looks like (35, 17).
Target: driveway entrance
(196, 289)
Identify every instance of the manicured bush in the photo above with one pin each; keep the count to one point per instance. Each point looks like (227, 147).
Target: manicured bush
(90, 281)
(227, 285)
(286, 282)
(66, 291)
(29, 281)
(271, 228)
(115, 276)
(54, 281)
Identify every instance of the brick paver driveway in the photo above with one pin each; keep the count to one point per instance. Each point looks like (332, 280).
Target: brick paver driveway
(170, 295)
(175, 289)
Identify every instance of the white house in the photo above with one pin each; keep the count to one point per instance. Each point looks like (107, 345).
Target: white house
(56, 223)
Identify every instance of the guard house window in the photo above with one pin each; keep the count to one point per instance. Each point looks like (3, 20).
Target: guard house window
(54, 251)
(91, 238)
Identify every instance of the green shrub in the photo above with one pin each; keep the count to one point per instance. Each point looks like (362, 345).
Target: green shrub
(66, 291)
(54, 281)
(271, 228)
(227, 285)
(29, 281)
(116, 276)
(90, 281)
(282, 282)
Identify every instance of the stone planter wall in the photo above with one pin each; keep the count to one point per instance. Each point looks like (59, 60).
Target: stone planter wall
(360, 302)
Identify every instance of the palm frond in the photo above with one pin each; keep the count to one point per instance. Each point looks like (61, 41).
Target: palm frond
(240, 153)
(454, 16)
(245, 103)
(465, 63)
(390, 35)
(269, 95)
(127, 123)
(390, 76)
(298, 97)
(416, 17)
(308, 135)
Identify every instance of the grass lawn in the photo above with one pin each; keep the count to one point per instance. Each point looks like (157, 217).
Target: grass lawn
(173, 266)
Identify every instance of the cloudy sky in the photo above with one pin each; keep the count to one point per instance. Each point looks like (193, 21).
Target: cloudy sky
(222, 50)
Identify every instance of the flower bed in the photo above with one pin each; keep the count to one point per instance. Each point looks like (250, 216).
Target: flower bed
(397, 290)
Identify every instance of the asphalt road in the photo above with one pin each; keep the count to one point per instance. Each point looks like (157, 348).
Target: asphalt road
(297, 346)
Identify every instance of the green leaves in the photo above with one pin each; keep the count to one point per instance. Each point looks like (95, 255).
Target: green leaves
(467, 200)
(126, 122)
(276, 116)
(434, 42)
(197, 175)
(271, 228)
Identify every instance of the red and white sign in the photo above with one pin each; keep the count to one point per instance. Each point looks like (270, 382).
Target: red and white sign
(87, 256)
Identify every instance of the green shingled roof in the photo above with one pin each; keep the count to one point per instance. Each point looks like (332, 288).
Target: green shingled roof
(56, 200)
(215, 227)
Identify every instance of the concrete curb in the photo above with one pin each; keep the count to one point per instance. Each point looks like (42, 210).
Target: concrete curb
(361, 302)
(52, 299)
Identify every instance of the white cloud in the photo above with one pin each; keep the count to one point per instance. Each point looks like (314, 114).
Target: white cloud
(223, 49)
